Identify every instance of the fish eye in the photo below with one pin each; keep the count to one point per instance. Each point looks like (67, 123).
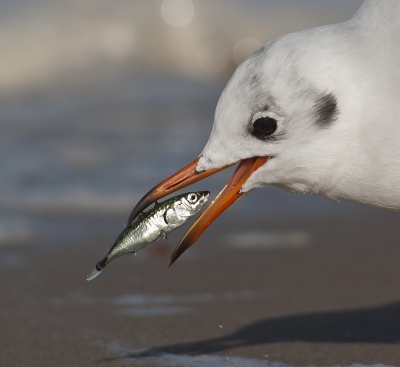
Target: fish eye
(265, 126)
(192, 197)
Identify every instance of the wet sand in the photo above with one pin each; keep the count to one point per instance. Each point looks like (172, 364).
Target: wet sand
(334, 301)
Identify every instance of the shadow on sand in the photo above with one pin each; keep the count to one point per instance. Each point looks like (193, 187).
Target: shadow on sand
(375, 325)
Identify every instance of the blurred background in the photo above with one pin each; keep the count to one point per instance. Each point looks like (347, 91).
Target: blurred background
(101, 100)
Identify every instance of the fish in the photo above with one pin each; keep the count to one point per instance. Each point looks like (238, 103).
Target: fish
(153, 225)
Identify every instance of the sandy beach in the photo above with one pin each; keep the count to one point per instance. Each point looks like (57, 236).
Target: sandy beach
(332, 301)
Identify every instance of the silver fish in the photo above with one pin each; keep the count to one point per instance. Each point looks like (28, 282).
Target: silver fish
(153, 225)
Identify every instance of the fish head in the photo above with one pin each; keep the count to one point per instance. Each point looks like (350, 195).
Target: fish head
(190, 203)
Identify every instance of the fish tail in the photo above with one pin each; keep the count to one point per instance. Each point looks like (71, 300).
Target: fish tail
(97, 269)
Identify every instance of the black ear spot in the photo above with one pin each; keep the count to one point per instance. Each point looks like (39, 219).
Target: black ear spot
(325, 109)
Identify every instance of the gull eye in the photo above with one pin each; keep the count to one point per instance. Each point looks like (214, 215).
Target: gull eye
(265, 126)
(192, 197)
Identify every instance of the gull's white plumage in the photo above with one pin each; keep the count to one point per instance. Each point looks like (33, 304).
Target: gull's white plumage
(356, 155)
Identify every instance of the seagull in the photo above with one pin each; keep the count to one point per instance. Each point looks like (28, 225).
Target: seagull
(313, 112)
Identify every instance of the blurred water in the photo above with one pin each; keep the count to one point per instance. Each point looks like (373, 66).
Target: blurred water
(97, 155)
(66, 154)
(202, 360)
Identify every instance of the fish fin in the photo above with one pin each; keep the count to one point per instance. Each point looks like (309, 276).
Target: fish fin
(156, 204)
(93, 274)
(164, 235)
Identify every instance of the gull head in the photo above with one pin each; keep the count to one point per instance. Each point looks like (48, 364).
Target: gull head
(283, 102)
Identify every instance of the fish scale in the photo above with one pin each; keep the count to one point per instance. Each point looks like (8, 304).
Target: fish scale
(153, 225)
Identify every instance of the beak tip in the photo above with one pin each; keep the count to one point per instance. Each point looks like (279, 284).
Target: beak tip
(173, 258)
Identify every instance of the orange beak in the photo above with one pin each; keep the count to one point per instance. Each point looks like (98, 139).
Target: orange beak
(188, 175)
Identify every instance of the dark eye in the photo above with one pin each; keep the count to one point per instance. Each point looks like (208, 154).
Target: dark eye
(265, 126)
(192, 198)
